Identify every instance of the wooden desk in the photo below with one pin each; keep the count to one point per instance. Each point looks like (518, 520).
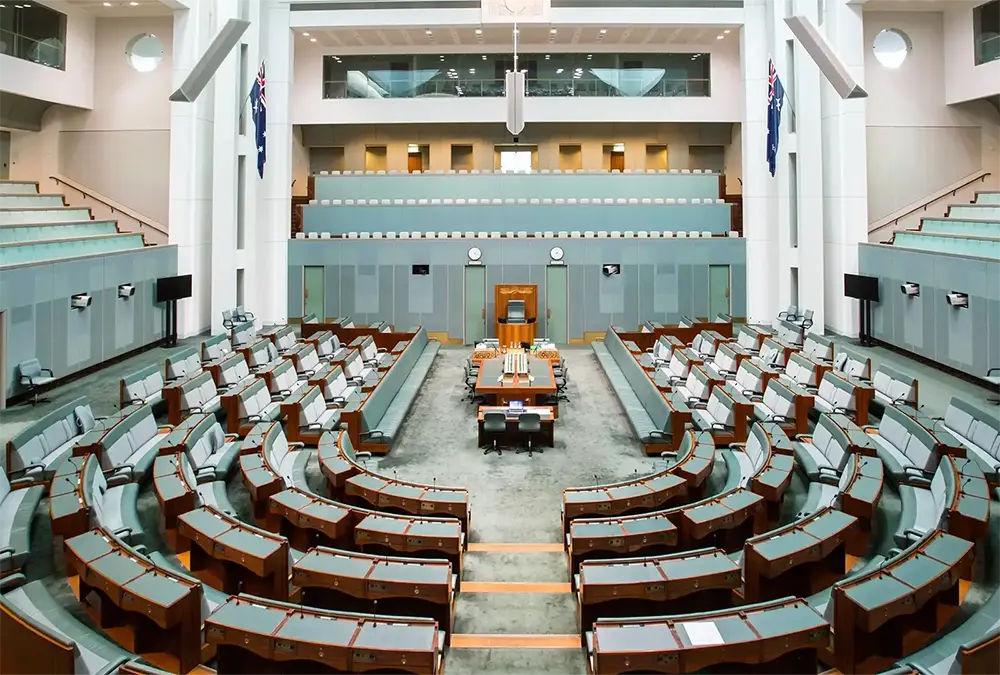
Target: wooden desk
(545, 437)
(173, 492)
(163, 608)
(355, 581)
(516, 333)
(519, 389)
(800, 558)
(609, 537)
(891, 611)
(68, 508)
(353, 527)
(254, 557)
(724, 521)
(969, 510)
(254, 635)
(861, 496)
(682, 582)
(782, 636)
(637, 496)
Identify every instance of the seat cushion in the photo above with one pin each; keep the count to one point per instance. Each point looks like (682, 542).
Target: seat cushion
(293, 468)
(918, 513)
(119, 512)
(809, 459)
(893, 458)
(820, 496)
(224, 459)
(16, 513)
(213, 493)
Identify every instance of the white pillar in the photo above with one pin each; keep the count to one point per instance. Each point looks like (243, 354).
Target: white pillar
(274, 192)
(759, 213)
(191, 155)
(809, 254)
(845, 178)
(224, 194)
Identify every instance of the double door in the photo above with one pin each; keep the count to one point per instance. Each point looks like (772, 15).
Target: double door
(556, 310)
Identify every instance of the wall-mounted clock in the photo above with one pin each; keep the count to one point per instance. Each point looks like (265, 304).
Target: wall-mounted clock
(475, 254)
(556, 253)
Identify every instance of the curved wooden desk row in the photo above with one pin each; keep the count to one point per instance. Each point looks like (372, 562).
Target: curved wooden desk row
(163, 607)
(172, 489)
(650, 492)
(68, 505)
(644, 586)
(725, 520)
(784, 636)
(361, 582)
(353, 482)
(307, 514)
(801, 558)
(257, 635)
(882, 616)
(969, 510)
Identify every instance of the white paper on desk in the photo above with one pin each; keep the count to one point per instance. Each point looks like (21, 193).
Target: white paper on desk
(702, 633)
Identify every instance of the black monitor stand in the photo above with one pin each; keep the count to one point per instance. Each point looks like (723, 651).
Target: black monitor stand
(865, 338)
(170, 339)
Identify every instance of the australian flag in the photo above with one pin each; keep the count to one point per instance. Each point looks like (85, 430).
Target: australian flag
(259, 106)
(775, 100)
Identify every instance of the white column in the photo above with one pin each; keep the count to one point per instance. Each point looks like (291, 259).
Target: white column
(760, 226)
(809, 255)
(224, 163)
(845, 179)
(274, 193)
(191, 155)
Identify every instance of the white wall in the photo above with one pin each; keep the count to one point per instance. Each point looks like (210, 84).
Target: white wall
(121, 147)
(965, 81)
(917, 143)
(73, 86)
(725, 105)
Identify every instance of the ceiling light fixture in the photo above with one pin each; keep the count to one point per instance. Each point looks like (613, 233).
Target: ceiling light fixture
(726, 32)
(552, 31)
(305, 34)
(429, 32)
(314, 39)
(106, 4)
(548, 56)
(604, 31)
(472, 71)
(484, 57)
(558, 71)
(479, 31)
(134, 4)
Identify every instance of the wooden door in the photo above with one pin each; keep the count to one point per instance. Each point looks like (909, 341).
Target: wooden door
(414, 162)
(617, 161)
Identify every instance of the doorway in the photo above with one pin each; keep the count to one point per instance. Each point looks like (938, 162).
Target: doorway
(718, 291)
(314, 291)
(417, 157)
(556, 314)
(375, 158)
(4, 155)
(570, 157)
(475, 304)
(614, 157)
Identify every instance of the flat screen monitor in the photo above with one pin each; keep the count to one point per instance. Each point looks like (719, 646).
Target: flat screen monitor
(515, 311)
(173, 288)
(421, 270)
(515, 404)
(861, 287)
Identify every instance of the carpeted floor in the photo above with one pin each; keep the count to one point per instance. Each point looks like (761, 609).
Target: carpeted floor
(515, 498)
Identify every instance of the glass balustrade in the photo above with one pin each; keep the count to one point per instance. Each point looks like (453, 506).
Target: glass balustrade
(986, 22)
(33, 32)
(477, 76)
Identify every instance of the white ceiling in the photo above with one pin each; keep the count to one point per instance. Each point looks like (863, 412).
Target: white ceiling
(122, 8)
(529, 37)
(914, 5)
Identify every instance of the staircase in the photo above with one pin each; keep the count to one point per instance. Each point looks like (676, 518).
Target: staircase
(104, 208)
(934, 205)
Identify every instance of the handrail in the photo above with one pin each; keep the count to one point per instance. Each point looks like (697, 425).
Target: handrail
(111, 204)
(949, 191)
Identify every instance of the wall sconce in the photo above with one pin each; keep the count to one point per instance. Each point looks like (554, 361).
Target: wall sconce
(80, 301)
(959, 300)
(126, 290)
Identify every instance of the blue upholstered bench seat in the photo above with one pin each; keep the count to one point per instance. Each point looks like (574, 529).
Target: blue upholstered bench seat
(979, 432)
(638, 418)
(383, 412)
(43, 446)
(17, 509)
(94, 654)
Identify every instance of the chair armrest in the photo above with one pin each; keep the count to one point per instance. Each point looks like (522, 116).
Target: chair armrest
(7, 551)
(913, 535)
(990, 371)
(24, 381)
(254, 418)
(363, 455)
(901, 399)
(49, 371)
(28, 468)
(893, 552)
(829, 475)
(720, 426)
(99, 418)
(658, 433)
(737, 446)
(668, 454)
(12, 581)
(374, 433)
(284, 392)
(776, 418)
(918, 481)
(123, 530)
(25, 481)
(164, 427)
(841, 410)
(203, 469)
(120, 478)
(195, 409)
(296, 444)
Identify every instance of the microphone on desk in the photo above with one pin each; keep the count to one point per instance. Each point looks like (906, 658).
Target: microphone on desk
(374, 612)
(394, 477)
(435, 479)
(597, 481)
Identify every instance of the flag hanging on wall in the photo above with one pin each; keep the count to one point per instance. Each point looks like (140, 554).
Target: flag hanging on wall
(259, 105)
(775, 101)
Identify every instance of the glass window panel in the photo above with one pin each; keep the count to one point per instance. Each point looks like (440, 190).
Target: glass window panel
(482, 75)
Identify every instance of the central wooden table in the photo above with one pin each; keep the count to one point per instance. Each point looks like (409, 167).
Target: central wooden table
(492, 384)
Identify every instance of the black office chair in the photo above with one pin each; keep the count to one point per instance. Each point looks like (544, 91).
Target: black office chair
(528, 424)
(470, 387)
(494, 424)
(562, 381)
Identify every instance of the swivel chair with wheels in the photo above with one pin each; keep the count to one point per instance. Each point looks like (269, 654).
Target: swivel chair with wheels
(32, 376)
(562, 381)
(495, 425)
(528, 424)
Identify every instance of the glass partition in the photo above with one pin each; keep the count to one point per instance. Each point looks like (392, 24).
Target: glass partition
(481, 75)
(33, 33)
(987, 31)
